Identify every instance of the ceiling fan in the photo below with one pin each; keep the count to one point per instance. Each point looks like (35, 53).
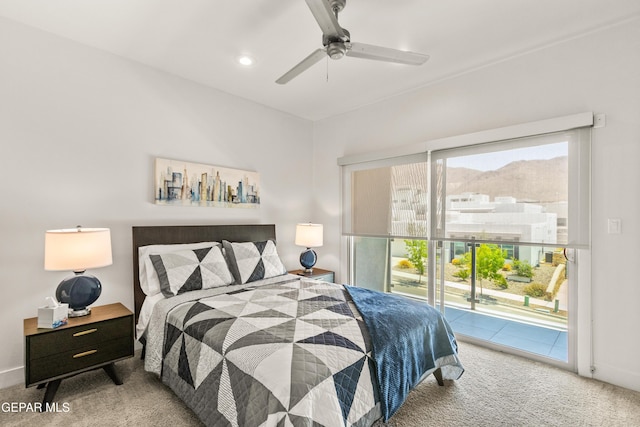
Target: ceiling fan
(337, 42)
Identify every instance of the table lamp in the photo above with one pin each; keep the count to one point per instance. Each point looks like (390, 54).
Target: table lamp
(78, 249)
(310, 236)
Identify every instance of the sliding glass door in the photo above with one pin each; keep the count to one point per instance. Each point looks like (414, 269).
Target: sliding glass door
(481, 232)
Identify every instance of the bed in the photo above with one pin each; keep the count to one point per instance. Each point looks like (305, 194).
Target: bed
(244, 343)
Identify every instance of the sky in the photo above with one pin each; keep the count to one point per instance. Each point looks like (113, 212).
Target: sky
(498, 159)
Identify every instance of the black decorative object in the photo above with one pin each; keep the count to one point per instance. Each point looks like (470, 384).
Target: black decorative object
(79, 291)
(308, 259)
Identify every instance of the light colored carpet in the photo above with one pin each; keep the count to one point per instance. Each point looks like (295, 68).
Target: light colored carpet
(496, 390)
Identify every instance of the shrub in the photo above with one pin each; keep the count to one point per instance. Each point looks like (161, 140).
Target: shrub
(501, 281)
(506, 267)
(536, 290)
(455, 261)
(462, 274)
(523, 268)
(405, 264)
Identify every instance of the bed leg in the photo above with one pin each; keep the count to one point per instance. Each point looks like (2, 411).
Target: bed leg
(143, 352)
(438, 374)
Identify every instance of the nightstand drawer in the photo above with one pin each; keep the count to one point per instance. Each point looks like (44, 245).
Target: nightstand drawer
(70, 339)
(329, 277)
(45, 368)
(316, 274)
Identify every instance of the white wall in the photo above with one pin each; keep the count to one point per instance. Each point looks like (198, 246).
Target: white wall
(79, 130)
(598, 72)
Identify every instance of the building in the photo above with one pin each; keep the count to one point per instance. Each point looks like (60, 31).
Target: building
(504, 219)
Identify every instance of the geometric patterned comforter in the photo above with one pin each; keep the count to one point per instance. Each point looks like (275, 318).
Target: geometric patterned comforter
(286, 354)
(283, 351)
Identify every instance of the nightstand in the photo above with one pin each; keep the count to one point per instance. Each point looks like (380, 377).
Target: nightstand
(317, 274)
(97, 340)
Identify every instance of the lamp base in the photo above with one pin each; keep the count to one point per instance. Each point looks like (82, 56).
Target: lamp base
(79, 313)
(308, 259)
(79, 291)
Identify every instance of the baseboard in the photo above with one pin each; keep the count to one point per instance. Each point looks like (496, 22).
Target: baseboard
(12, 377)
(620, 377)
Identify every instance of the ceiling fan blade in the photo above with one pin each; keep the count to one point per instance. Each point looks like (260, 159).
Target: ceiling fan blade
(307, 62)
(367, 51)
(326, 18)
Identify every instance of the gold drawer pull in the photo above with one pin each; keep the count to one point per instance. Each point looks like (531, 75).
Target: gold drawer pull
(85, 353)
(88, 331)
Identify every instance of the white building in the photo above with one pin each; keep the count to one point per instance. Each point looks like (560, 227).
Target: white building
(504, 219)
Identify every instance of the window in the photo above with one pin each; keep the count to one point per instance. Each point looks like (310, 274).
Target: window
(481, 227)
(384, 203)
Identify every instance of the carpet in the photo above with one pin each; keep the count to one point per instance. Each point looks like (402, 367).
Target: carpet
(496, 389)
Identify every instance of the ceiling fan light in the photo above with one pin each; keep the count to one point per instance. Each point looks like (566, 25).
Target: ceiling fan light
(336, 50)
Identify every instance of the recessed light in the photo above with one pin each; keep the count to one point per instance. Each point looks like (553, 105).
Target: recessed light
(245, 60)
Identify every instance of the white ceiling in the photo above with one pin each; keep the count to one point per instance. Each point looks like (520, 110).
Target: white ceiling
(201, 39)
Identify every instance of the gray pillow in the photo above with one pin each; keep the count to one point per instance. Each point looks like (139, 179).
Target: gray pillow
(191, 270)
(251, 261)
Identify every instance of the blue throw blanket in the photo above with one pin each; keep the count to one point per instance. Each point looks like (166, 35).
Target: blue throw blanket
(409, 338)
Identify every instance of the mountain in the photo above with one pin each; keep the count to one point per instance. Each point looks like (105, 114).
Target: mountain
(527, 180)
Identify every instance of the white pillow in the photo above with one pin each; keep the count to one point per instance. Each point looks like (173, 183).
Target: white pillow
(149, 281)
(191, 270)
(251, 261)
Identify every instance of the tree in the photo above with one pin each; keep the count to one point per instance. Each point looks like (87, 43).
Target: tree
(417, 254)
(489, 260)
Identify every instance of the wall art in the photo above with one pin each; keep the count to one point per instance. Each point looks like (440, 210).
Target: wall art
(180, 183)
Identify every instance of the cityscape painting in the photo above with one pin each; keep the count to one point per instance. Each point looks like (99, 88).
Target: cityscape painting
(179, 183)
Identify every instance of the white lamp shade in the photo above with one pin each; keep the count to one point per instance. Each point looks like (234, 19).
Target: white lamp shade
(309, 235)
(77, 249)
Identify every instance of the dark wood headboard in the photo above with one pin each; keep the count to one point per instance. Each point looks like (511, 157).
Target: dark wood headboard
(173, 234)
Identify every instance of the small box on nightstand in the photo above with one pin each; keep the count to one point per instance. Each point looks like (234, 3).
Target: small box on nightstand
(53, 317)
